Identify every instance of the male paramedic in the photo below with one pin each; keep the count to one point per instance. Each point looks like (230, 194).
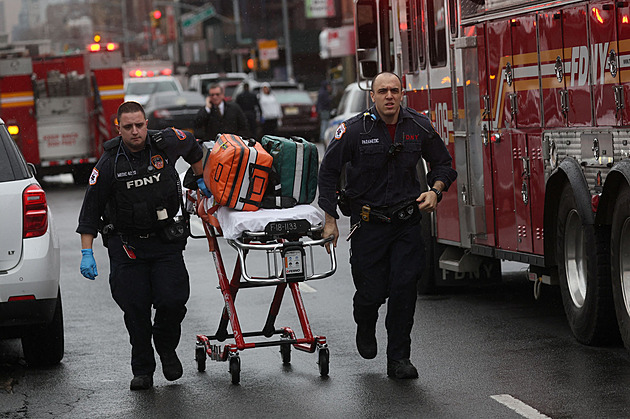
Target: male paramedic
(133, 198)
(380, 148)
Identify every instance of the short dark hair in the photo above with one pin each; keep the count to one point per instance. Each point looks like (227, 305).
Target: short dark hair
(386, 72)
(129, 106)
(214, 86)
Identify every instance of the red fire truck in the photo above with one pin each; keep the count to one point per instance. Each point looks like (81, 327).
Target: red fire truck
(532, 99)
(60, 109)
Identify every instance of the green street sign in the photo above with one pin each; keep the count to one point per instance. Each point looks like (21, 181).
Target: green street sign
(190, 19)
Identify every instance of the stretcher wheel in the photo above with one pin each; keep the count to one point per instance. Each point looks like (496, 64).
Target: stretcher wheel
(235, 369)
(323, 361)
(285, 353)
(200, 357)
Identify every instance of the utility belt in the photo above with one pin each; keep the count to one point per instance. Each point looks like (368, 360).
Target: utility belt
(175, 230)
(387, 215)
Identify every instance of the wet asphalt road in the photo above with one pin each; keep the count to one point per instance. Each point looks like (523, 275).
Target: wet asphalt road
(483, 351)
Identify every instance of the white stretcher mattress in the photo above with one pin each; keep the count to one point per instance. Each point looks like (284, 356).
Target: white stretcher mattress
(234, 223)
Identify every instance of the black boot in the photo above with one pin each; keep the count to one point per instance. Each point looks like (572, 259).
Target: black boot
(171, 367)
(141, 382)
(401, 369)
(366, 340)
(365, 318)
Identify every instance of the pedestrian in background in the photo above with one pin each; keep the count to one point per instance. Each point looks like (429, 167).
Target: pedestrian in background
(270, 110)
(324, 106)
(381, 147)
(133, 197)
(219, 117)
(249, 104)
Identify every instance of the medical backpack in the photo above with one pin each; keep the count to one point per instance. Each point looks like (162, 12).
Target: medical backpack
(294, 176)
(237, 172)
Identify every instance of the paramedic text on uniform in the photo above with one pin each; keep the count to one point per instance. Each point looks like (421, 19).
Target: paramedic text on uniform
(380, 149)
(133, 198)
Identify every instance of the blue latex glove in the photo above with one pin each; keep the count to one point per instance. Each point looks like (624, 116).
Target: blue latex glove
(202, 186)
(88, 264)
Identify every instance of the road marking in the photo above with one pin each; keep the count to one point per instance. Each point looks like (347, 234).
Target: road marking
(306, 288)
(519, 407)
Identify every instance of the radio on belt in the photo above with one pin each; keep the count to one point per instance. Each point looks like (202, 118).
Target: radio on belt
(293, 255)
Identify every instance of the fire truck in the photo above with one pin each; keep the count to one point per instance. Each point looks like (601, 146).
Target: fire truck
(532, 99)
(60, 109)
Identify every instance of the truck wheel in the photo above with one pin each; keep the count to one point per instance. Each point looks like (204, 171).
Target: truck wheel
(620, 261)
(583, 267)
(44, 345)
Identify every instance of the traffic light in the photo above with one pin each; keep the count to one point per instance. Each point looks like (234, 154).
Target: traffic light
(156, 15)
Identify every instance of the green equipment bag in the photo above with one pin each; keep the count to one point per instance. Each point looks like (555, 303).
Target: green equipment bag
(295, 163)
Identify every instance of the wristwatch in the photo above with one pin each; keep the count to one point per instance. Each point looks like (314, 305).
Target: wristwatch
(438, 193)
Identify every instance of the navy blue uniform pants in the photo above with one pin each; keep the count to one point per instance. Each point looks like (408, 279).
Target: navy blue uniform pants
(387, 261)
(156, 278)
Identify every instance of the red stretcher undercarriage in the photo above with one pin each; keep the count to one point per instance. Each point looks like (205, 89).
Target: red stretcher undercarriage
(286, 242)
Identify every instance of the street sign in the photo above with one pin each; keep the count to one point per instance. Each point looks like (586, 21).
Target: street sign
(268, 49)
(190, 19)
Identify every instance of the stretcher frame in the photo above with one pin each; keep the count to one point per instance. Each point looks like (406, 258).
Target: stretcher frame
(241, 278)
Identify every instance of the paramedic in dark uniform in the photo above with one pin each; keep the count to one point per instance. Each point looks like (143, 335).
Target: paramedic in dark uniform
(133, 198)
(381, 148)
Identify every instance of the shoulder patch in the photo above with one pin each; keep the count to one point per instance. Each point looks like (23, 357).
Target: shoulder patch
(180, 134)
(340, 131)
(157, 161)
(93, 176)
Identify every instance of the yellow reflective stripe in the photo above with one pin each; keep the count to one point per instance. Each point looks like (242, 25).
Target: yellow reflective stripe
(111, 92)
(12, 100)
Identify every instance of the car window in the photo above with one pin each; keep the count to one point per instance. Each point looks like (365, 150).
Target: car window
(205, 84)
(12, 164)
(166, 86)
(357, 102)
(292, 96)
(147, 88)
(229, 90)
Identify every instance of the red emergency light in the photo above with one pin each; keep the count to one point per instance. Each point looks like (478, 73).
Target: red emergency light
(150, 73)
(96, 47)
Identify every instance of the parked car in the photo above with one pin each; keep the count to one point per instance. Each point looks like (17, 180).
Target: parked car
(173, 109)
(299, 113)
(30, 298)
(254, 86)
(353, 100)
(200, 82)
(141, 88)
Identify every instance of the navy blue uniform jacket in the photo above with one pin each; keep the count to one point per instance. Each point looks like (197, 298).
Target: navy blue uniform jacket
(373, 178)
(99, 190)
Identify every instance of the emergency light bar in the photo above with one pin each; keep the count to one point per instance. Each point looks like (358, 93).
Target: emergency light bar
(150, 73)
(109, 46)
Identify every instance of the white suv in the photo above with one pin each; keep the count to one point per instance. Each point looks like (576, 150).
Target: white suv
(140, 89)
(30, 299)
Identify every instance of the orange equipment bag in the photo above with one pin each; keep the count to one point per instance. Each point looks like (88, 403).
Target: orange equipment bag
(237, 172)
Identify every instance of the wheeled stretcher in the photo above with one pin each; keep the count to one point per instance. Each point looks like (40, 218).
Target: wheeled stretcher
(289, 238)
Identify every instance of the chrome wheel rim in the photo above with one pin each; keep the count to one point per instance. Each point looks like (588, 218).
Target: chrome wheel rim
(624, 263)
(575, 259)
